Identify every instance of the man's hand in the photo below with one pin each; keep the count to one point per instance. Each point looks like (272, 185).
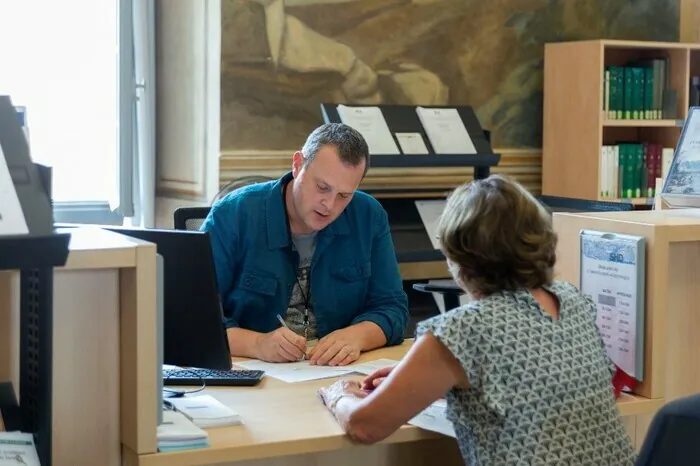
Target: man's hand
(281, 345)
(338, 348)
(375, 379)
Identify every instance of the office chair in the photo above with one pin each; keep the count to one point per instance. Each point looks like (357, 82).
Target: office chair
(190, 218)
(451, 292)
(672, 438)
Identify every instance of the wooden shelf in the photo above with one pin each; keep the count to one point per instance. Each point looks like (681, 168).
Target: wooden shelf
(644, 123)
(575, 127)
(633, 200)
(633, 405)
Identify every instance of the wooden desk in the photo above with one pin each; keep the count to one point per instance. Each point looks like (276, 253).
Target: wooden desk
(672, 319)
(286, 424)
(104, 347)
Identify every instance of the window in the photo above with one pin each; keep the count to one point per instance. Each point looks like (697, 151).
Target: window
(61, 60)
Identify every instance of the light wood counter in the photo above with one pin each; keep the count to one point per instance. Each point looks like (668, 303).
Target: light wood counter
(287, 424)
(672, 316)
(104, 347)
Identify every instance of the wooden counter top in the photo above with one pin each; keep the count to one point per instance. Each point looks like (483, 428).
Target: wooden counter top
(94, 248)
(281, 419)
(676, 225)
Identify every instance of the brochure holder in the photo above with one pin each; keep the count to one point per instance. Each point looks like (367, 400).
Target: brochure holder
(403, 119)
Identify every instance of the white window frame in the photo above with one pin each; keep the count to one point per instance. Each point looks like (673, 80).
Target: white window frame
(129, 93)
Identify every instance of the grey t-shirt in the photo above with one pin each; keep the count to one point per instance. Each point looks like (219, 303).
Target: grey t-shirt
(305, 245)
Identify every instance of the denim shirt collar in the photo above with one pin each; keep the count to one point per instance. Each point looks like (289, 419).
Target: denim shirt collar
(276, 219)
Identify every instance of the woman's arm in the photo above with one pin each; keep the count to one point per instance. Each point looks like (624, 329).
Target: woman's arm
(425, 374)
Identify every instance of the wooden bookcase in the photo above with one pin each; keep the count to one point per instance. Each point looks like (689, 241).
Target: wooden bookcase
(575, 126)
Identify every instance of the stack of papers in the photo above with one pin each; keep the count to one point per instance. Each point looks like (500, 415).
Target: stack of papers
(434, 419)
(18, 448)
(179, 433)
(446, 131)
(206, 411)
(303, 371)
(370, 122)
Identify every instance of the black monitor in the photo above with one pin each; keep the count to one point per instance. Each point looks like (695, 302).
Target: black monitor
(570, 204)
(193, 324)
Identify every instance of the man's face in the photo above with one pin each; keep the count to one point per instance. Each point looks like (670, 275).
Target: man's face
(323, 188)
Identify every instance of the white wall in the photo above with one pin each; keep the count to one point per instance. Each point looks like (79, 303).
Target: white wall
(188, 57)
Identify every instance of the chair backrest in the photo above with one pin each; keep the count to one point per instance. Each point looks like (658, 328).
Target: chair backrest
(673, 438)
(190, 218)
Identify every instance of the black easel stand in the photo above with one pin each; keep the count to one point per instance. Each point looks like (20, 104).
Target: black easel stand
(35, 257)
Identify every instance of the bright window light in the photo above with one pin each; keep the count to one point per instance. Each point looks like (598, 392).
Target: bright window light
(59, 60)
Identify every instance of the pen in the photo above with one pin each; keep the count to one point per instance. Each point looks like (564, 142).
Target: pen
(284, 324)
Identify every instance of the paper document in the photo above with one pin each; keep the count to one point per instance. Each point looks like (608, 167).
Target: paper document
(290, 372)
(206, 411)
(612, 274)
(12, 221)
(370, 122)
(412, 143)
(179, 433)
(446, 131)
(303, 371)
(434, 419)
(18, 448)
(430, 212)
(368, 367)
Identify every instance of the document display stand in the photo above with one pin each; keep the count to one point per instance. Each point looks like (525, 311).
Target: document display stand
(404, 120)
(29, 244)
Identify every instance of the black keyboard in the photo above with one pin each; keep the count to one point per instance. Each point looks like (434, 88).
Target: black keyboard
(211, 377)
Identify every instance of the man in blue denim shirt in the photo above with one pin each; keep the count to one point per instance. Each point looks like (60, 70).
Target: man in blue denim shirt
(313, 250)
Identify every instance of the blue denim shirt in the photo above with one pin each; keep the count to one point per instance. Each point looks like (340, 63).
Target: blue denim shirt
(354, 273)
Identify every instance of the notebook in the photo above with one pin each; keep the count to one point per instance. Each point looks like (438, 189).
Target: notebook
(206, 411)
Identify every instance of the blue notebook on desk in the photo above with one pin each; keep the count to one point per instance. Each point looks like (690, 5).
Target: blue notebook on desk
(613, 275)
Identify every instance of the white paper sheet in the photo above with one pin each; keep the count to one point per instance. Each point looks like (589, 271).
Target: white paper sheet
(434, 419)
(303, 371)
(412, 143)
(12, 221)
(430, 212)
(609, 277)
(370, 122)
(368, 367)
(291, 372)
(446, 131)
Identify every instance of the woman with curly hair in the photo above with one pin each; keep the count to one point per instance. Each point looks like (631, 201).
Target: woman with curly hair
(522, 366)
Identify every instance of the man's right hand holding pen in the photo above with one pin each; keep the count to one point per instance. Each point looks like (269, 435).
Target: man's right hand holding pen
(281, 345)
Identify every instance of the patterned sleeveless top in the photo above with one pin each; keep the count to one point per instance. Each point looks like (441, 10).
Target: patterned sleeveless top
(541, 390)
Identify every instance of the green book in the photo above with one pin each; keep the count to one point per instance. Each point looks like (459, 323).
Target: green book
(637, 98)
(649, 93)
(628, 92)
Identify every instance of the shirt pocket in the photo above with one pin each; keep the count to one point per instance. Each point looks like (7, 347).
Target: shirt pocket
(259, 282)
(353, 273)
(350, 287)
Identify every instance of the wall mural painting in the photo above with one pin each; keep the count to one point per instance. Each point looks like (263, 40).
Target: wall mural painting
(280, 59)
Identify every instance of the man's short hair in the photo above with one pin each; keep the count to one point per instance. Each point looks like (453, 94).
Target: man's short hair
(351, 146)
(499, 236)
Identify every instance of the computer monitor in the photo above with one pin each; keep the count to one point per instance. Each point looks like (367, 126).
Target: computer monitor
(193, 327)
(570, 204)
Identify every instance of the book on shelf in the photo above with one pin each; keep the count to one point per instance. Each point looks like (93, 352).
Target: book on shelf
(637, 91)
(628, 170)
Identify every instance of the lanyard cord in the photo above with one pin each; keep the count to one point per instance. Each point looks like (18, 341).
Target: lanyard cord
(304, 296)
